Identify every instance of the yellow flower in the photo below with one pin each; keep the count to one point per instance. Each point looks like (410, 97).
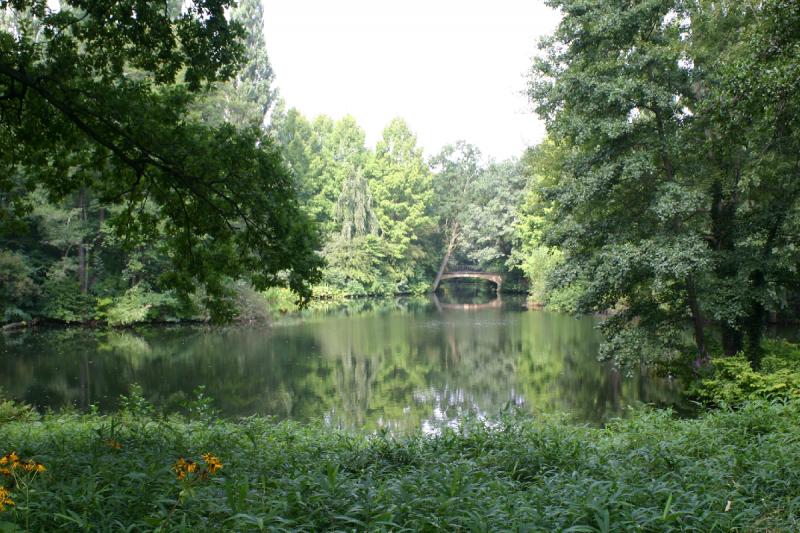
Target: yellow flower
(5, 499)
(179, 469)
(213, 463)
(182, 467)
(33, 466)
(10, 458)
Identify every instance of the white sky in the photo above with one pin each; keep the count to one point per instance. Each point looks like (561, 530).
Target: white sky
(454, 69)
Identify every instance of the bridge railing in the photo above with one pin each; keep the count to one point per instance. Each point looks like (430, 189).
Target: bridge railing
(464, 268)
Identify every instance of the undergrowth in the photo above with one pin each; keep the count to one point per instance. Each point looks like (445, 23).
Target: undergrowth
(726, 471)
(731, 380)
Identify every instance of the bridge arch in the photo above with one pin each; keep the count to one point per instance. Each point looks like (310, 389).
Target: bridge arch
(494, 277)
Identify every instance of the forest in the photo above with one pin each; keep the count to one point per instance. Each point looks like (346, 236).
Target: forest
(151, 172)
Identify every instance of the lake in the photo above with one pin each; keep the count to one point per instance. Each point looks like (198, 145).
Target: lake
(400, 364)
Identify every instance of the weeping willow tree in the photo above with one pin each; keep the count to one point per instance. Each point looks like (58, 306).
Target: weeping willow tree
(357, 254)
(354, 209)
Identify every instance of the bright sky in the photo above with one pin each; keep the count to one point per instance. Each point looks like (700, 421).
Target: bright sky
(454, 69)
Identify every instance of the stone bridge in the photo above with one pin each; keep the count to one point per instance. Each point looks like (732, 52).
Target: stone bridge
(461, 272)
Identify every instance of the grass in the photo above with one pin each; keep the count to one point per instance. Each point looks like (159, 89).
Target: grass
(726, 471)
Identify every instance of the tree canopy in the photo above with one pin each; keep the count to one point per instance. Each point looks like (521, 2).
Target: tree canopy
(98, 95)
(676, 192)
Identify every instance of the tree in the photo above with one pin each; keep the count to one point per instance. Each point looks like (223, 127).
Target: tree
(491, 217)
(354, 210)
(530, 253)
(401, 184)
(456, 169)
(676, 196)
(96, 95)
(249, 97)
(612, 90)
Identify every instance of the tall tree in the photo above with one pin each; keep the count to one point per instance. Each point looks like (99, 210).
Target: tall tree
(611, 86)
(490, 220)
(402, 186)
(249, 97)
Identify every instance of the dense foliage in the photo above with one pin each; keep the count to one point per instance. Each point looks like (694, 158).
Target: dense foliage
(390, 218)
(731, 381)
(726, 471)
(107, 170)
(671, 178)
(172, 182)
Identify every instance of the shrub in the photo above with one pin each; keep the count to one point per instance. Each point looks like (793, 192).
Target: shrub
(16, 287)
(140, 304)
(732, 381)
(65, 301)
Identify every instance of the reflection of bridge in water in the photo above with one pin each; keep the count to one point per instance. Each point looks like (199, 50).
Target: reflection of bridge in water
(497, 303)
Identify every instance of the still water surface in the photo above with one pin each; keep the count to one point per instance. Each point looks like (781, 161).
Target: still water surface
(399, 364)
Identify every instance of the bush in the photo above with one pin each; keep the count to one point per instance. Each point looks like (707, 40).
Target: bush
(731, 380)
(139, 304)
(17, 288)
(65, 301)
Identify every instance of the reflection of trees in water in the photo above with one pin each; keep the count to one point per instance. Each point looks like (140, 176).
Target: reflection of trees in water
(400, 365)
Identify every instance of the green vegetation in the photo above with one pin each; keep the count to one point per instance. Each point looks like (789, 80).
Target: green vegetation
(389, 218)
(669, 186)
(732, 381)
(725, 471)
(116, 173)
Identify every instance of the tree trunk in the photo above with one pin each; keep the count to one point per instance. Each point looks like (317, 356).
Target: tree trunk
(82, 252)
(450, 247)
(98, 241)
(723, 214)
(697, 322)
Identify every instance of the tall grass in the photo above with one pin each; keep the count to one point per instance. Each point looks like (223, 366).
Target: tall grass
(726, 471)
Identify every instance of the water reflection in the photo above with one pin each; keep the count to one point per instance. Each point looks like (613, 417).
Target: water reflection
(399, 364)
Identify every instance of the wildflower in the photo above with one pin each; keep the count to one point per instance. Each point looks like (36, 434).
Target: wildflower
(33, 466)
(5, 499)
(179, 468)
(11, 459)
(183, 467)
(213, 464)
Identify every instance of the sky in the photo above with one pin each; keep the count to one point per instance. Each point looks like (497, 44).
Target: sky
(453, 69)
